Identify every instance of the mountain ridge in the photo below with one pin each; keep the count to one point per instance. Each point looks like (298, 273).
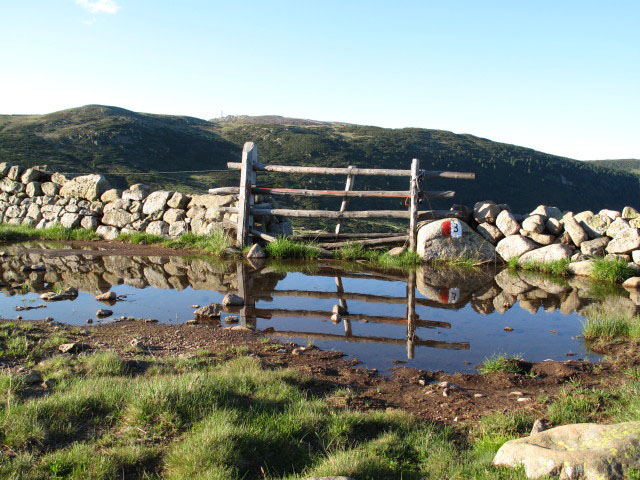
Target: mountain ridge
(123, 144)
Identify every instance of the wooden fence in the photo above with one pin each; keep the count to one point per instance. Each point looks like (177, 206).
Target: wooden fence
(247, 208)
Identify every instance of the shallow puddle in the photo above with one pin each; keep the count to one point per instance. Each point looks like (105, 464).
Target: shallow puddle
(456, 320)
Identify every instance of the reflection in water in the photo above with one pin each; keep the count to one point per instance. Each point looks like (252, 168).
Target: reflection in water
(421, 313)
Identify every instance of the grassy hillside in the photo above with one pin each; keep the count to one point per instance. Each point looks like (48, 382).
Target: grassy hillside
(631, 165)
(109, 139)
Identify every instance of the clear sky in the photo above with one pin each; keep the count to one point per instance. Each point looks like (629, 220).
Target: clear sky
(558, 76)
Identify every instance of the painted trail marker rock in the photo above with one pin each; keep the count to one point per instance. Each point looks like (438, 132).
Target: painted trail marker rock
(452, 239)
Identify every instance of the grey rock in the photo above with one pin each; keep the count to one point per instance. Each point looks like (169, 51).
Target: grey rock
(15, 173)
(11, 186)
(89, 187)
(396, 251)
(629, 212)
(89, 222)
(554, 226)
(507, 223)
(635, 256)
(34, 175)
(74, 347)
(256, 251)
(612, 214)
(70, 220)
(632, 282)
(625, 242)
(178, 200)
(232, 300)
(541, 238)
(155, 202)
(490, 232)
(534, 223)
(514, 246)
(4, 168)
(575, 231)
(178, 228)
(617, 226)
(59, 179)
(548, 254)
(117, 217)
(211, 201)
(596, 225)
(595, 247)
(208, 311)
(548, 212)
(111, 195)
(486, 211)
(107, 232)
(174, 215)
(103, 312)
(583, 216)
(579, 451)
(50, 188)
(33, 189)
(158, 227)
(435, 242)
(511, 283)
(582, 268)
(136, 192)
(109, 296)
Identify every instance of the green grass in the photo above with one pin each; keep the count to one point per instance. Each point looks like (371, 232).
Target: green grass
(611, 270)
(356, 251)
(602, 325)
(10, 233)
(502, 363)
(24, 341)
(284, 247)
(215, 243)
(195, 418)
(557, 267)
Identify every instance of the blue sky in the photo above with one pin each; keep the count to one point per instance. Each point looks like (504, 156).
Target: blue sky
(558, 76)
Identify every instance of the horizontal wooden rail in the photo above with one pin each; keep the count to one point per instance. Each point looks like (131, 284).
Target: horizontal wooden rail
(340, 236)
(294, 192)
(362, 339)
(371, 242)
(426, 214)
(353, 171)
(358, 317)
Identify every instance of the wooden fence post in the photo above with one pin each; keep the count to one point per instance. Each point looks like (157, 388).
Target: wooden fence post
(348, 187)
(245, 197)
(411, 314)
(413, 212)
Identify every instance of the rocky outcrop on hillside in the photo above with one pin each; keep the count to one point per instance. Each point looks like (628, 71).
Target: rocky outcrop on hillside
(41, 199)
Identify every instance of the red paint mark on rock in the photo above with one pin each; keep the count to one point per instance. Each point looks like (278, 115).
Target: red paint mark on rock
(444, 295)
(446, 228)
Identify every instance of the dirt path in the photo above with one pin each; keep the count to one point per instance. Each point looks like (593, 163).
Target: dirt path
(464, 398)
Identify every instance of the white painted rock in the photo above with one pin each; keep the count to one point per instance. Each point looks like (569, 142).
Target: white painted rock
(580, 451)
(548, 254)
(451, 239)
(514, 246)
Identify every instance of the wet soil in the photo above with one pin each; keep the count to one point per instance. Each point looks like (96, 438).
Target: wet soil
(432, 396)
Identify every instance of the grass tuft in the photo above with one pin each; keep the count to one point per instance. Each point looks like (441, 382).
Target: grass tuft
(502, 363)
(11, 233)
(356, 251)
(284, 247)
(215, 243)
(603, 325)
(616, 270)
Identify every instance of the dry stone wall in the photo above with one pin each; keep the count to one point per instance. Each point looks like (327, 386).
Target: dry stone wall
(41, 199)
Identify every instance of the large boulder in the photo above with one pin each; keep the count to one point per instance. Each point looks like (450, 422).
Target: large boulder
(211, 201)
(548, 212)
(34, 175)
(625, 242)
(11, 186)
(596, 226)
(514, 246)
(439, 241)
(617, 226)
(488, 231)
(579, 451)
(117, 217)
(534, 223)
(155, 202)
(595, 247)
(548, 254)
(486, 211)
(89, 187)
(507, 223)
(158, 228)
(136, 192)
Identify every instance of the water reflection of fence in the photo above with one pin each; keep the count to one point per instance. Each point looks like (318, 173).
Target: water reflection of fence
(249, 313)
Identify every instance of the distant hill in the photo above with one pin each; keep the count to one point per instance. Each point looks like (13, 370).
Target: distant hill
(626, 165)
(113, 140)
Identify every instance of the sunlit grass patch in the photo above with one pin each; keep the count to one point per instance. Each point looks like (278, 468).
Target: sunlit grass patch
(284, 247)
(604, 325)
(57, 232)
(616, 270)
(214, 243)
(502, 363)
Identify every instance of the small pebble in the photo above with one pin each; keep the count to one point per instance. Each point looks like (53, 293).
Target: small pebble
(508, 329)
(19, 317)
(553, 331)
(524, 399)
(516, 393)
(445, 392)
(478, 395)
(90, 320)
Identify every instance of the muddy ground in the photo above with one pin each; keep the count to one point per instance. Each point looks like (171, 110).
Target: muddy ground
(464, 399)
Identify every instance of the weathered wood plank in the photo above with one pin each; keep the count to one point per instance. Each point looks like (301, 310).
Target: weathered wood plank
(249, 158)
(294, 192)
(426, 214)
(363, 339)
(413, 209)
(348, 186)
(264, 236)
(356, 171)
(369, 242)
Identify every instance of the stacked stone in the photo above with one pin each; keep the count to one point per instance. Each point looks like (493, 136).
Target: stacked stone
(548, 234)
(39, 198)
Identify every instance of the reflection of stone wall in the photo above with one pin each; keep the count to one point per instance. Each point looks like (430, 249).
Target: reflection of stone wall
(41, 199)
(531, 290)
